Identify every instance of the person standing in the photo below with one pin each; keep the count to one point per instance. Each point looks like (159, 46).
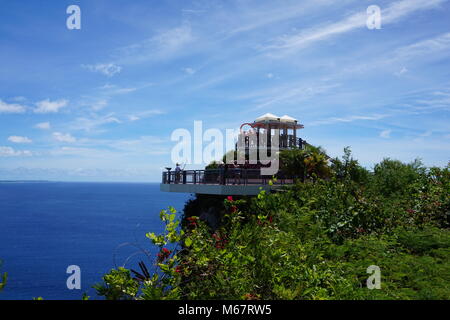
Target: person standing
(177, 173)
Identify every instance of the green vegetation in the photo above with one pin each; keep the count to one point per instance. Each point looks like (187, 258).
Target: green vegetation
(312, 240)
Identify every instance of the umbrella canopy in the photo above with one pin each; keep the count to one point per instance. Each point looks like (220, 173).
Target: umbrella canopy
(287, 118)
(267, 117)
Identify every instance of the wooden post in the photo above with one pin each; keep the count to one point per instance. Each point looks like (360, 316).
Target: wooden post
(257, 144)
(295, 134)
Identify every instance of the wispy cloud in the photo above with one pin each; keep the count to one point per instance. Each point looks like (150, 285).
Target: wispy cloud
(11, 152)
(11, 107)
(64, 137)
(290, 93)
(94, 122)
(112, 89)
(108, 69)
(19, 139)
(262, 15)
(440, 42)
(99, 104)
(43, 125)
(189, 70)
(385, 134)
(163, 45)
(395, 12)
(47, 106)
(145, 114)
(348, 119)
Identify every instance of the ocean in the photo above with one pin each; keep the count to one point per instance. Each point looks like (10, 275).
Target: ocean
(47, 226)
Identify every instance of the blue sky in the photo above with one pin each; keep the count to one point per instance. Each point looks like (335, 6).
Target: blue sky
(100, 103)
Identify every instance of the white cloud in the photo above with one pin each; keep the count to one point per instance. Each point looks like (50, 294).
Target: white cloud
(82, 152)
(10, 152)
(269, 75)
(288, 94)
(108, 69)
(99, 105)
(391, 14)
(63, 137)
(124, 90)
(11, 108)
(19, 99)
(144, 114)
(347, 119)
(47, 106)
(111, 89)
(424, 47)
(19, 139)
(133, 118)
(173, 39)
(403, 70)
(163, 45)
(385, 134)
(91, 124)
(189, 70)
(43, 125)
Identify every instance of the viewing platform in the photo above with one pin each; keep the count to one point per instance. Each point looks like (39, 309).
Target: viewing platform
(267, 135)
(220, 181)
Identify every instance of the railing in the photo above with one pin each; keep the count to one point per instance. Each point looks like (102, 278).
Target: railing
(285, 142)
(223, 177)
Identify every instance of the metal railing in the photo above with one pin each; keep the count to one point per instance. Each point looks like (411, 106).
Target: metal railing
(284, 142)
(235, 176)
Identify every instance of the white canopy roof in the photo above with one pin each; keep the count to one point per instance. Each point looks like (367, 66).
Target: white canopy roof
(287, 118)
(267, 117)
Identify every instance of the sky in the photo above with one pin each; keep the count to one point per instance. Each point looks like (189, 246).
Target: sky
(100, 103)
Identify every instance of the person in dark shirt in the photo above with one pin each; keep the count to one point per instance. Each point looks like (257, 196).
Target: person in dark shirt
(177, 173)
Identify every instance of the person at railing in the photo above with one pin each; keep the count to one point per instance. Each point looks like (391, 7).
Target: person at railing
(223, 173)
(236, 173)
(177, 173)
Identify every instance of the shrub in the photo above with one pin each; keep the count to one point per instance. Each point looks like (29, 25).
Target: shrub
(312, 240)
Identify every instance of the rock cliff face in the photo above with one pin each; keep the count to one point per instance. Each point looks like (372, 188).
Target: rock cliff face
(208, 208)
(211, 217)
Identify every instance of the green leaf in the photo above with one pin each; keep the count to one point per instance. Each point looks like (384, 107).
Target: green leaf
(188, 242)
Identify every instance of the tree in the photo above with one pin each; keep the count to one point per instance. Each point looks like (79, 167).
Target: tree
(393, 176)
(308, 163)
(348, 168)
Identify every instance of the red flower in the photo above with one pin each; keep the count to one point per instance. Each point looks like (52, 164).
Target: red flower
(164, 254)
(230, 198)
(250, 296)
(178, 269)
(233, 209)
(192, 221)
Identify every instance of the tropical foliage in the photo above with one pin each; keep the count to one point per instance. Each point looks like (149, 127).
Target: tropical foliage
(309, 163)
(314, 240)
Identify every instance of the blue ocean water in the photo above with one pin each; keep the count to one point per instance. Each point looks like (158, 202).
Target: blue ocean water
(47, 226)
